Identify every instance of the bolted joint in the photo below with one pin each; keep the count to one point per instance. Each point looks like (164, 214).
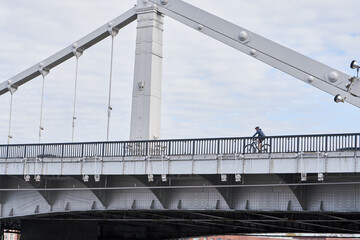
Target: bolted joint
(112, 30)
(238, 177)
(141, 85)
(150, 178)
(351, 82)
(109, 111)
(12, 88)
(37, 178)
(76, 50)
(253, 52)
(27, 178)
(309, 79)
(332, 76)
(43, 70)
(244, 37)
(320, 177)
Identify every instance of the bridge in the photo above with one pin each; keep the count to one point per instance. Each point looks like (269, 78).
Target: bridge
(152, 188)
(175, 188)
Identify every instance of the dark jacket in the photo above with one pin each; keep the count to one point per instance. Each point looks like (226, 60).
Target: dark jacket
(259, 133)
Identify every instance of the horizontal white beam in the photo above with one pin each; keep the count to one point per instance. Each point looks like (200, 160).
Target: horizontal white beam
(275, 163)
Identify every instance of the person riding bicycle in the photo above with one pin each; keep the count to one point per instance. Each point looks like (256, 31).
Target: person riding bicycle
(260, 136)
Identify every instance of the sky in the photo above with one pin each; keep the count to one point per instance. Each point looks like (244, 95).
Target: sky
(208, 89)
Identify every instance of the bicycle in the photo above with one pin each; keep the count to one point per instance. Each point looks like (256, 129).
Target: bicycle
(253, 147)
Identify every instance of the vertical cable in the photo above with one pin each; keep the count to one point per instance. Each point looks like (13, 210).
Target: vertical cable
(74, 108)
(41, 128)
(77, 53)
(11, 101)
(110, 82)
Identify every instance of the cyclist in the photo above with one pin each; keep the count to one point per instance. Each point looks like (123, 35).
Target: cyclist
(260, 136)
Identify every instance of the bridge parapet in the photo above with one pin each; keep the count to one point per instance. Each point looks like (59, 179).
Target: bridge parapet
(206, 146)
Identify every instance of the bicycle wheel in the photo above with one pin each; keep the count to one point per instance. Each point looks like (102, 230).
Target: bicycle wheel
(265, 148)
(250, 148)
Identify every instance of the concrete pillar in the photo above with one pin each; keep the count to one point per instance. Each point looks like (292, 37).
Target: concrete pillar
(58, 230)
(146, 98)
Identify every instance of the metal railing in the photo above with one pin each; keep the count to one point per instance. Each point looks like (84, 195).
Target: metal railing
(278, 144)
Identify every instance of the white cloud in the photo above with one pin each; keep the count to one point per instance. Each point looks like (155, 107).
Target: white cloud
(209, 89)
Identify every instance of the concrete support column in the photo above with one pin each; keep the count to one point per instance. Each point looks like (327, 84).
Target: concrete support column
(146, 100)
(58, 230)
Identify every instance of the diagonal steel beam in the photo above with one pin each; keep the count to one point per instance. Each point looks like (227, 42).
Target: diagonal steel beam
(286, 60)
(70, 51)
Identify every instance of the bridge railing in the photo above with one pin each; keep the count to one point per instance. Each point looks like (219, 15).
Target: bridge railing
(238, 145)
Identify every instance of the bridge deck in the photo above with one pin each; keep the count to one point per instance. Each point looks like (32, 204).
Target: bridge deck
(284, 154)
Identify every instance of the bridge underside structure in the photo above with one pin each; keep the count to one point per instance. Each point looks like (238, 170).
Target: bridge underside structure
(129, 207)
(176, 188)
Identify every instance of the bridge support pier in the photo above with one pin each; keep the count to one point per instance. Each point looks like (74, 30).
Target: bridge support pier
(146, 100)
(58, 230)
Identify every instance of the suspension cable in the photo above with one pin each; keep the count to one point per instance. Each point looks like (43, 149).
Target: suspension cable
(77, 52)
(9, 132)
(113, 32)
(41, 128)
(109, 101)
(74, 108)
(43, 72)
(11, 89)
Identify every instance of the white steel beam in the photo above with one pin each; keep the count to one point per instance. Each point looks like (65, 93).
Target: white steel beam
(304, 68)
(70, 51)
(263, 163)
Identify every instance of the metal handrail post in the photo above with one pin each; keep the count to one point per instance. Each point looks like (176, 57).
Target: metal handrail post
(82, 150)
(169, 148)
(43, 150)
(103, 150)
(146, 149)
(124, 149)
(25, 151)
(218, 146)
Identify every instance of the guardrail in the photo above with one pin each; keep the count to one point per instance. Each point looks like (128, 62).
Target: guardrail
(276, 144)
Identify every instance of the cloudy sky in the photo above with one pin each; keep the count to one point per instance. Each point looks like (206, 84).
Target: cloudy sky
(209, 89)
